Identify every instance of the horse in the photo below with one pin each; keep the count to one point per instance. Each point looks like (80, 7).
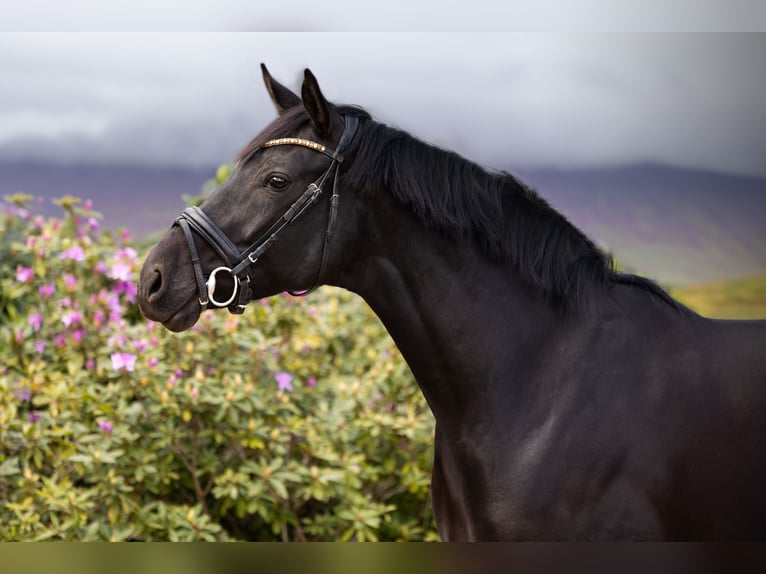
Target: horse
(572, 401)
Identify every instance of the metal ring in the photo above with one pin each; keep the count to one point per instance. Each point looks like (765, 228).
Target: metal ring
(211, 287)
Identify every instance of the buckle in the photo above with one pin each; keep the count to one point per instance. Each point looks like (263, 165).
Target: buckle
(211, 287)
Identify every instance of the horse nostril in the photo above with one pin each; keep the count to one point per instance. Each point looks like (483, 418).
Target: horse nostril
(156, 285)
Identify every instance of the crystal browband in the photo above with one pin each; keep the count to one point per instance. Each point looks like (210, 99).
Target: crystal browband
(296, 141)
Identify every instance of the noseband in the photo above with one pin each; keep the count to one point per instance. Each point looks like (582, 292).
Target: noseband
(239, 264)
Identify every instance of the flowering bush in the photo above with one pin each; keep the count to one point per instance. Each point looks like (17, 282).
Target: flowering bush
(295, 421)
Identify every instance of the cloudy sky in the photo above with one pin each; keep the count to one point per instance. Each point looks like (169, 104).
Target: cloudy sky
(560, 97)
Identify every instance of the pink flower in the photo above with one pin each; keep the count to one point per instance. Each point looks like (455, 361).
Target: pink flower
(40, 346)
(101, 267)
(71, 318)
(90, 364)
(98, 318)
(36, 321)
(59, 341)
(120, 271)
(19, 337)
(75, 253)
(284, 381)
(78, 335)
(88, 205)
(153, 362)
(311, 382)
(47, 290)
(33, 417)
(70, 280)
(24, 274)
(125, 361)
(127, 254)
(106, 426)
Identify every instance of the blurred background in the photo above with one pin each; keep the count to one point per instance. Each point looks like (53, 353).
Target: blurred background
(650, 138)
(654, 144)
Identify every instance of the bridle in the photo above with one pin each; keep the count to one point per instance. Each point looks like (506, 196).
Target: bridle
(239, 264)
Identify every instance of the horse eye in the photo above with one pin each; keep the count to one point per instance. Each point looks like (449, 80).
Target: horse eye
(277, 182)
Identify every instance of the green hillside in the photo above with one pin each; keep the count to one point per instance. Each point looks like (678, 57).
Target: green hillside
(734, 299)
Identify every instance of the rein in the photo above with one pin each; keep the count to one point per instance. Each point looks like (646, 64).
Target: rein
(239, 264)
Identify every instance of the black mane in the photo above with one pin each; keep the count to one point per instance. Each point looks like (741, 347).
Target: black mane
(507, 220)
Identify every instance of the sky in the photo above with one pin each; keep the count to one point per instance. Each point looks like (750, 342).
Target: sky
(562, 97)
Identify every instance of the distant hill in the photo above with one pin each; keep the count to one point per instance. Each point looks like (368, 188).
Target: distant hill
(678, 226)
(142, 199)
(733, 299)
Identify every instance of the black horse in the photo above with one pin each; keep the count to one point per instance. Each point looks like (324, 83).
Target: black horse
(571, 401)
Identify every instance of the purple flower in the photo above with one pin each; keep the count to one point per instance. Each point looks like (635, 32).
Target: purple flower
(127, 253)
(90, 364)
(78, 335)
(284, 381)
(23, 394)
(93, 224)
(71, 318)
(47, 290)
(105, 426)
(101, 267)
(75, 253)
(153, 362)
(131, 290)
(40, 346)
(70, 280)
(120, 271)
(311, 382)
(24, 274)
(36, 321)
(125, 361)
(33, 417)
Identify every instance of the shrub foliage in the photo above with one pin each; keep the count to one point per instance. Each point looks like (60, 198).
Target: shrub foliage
(295, 421)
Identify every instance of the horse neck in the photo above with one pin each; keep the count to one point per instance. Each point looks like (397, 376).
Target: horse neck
(463, 323)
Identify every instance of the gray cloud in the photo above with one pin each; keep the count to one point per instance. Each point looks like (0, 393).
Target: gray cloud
(393, 15)
(502, 99)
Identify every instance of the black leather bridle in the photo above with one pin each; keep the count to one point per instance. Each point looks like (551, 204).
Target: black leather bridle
(239, 264)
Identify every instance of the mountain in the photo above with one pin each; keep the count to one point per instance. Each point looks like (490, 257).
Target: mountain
(142, 199)
(678, 226)
(732, 299)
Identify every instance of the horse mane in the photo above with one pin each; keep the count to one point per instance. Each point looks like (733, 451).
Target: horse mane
(508, 221)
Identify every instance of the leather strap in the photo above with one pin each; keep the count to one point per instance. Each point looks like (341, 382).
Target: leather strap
(239, 263)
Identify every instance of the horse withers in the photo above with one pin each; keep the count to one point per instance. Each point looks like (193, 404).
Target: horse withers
(572, 401)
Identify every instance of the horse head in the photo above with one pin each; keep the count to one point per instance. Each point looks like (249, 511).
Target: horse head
(284, 187)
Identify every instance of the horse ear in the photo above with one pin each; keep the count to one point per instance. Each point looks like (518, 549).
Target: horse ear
(316, 105)
(283, 97)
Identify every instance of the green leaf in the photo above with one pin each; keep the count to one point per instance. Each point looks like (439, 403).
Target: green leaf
(10, 466)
